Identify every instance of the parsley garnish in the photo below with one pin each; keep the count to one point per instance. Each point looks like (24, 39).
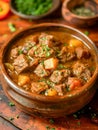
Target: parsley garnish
(11, 104)
(51, 121)
(12, 27)
(86, 33)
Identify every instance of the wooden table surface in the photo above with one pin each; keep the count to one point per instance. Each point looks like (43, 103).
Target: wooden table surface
(13, 119)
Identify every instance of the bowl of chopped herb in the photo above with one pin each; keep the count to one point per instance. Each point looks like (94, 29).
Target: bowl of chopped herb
(33, 9)
(81, 13)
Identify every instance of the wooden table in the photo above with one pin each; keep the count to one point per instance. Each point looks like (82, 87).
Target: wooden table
(13, 119)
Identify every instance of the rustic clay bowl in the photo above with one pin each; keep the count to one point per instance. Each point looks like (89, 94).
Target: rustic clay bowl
(77, 20)
(56, 4)
(46, 106)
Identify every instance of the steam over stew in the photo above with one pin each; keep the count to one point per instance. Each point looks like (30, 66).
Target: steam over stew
(50, 63)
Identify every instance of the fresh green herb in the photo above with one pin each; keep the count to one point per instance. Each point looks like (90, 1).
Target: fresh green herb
(78, 123)
(42, 62)
(33, 7)
(75, 116)
(20, 52)
(52, 128)
(47, 127)
(51, 121)
(12, 27)
(86, 33)
(48, 54)
(93, 115)
(11, 118)
(60, 66)
(50, 83)
(11, 104)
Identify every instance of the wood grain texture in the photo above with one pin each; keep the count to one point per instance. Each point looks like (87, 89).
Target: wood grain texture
(24, 121)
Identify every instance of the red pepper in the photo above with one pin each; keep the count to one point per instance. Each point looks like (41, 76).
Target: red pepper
(4, 9)
(6, 0)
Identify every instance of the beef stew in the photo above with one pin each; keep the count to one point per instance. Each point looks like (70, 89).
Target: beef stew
(50, 63)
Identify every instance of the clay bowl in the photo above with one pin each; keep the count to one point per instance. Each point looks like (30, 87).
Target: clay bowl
(56, 4)
(82, 21)
(47, 106)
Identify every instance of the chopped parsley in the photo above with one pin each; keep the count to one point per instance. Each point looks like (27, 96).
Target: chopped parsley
(51, 121)
(20, 52)
(78, 123)
(86, 33)
(11, 104)
(12, 27)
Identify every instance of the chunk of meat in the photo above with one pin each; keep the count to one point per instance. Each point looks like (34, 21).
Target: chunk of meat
(38, 87)
(73, 83)
(60, 88)
(46, 39)
(23, 80)
(34, 39)
(66, 54)
(59, 75)
(33, 62)
(21, 63)
(51, 63)
(14, 53)
(40, 71)
(82, 53)
(42, 51)
(82, 71)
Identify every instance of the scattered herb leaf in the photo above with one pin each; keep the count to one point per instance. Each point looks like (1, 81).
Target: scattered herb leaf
(75, 116)
(12, 27)
(47, 127)
(78, 123)
(20, 52)
(52, 128)
(86, 33)
(11, 104)
(51, 121)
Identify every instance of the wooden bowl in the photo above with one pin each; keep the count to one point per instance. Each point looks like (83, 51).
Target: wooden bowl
(56, 4)
(82, 21)
(48, 106)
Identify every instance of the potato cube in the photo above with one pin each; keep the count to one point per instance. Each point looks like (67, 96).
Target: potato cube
(51, 63)
(75, 43)
(23, 80)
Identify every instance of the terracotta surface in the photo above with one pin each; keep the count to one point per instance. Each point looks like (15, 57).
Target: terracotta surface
(12, 118)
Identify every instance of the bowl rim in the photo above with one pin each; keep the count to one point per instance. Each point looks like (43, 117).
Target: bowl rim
(44, 98)
(64, 8)
(56, 4)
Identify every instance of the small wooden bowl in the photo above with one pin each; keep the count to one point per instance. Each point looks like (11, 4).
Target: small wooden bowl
(47, 106)
(56, 4)
(82, 21)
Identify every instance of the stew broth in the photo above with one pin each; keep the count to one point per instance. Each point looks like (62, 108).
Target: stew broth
(50, 63)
